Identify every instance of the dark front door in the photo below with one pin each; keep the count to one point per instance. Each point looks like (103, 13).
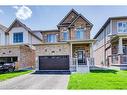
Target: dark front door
(81, 57)
(54, 62)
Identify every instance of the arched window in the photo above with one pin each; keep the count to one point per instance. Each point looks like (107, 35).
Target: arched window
(65, 35)
(79, 33)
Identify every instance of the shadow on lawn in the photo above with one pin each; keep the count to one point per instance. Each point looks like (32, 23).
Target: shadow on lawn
(14, 72)
(104, 71)
(52, 72)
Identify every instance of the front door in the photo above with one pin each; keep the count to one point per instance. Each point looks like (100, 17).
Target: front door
(81, 57)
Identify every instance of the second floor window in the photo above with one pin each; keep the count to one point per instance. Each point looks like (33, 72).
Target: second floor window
(18, 37)
(65, 35)
(122, 27)
(79, 33)
(51, 38)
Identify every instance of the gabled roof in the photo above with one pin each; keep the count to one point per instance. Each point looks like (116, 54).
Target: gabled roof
(106, 23)
(3, 28)
(72, 10)
(80, 15)
(19, 22)
(24, 26)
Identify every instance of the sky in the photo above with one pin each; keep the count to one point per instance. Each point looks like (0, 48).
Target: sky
(47, 17)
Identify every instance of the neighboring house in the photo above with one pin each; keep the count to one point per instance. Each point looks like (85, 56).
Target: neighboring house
(16, 45)
(110, 48)
(64, 47)
(68, 48)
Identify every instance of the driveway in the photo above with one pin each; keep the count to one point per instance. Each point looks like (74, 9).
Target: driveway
(36, 81)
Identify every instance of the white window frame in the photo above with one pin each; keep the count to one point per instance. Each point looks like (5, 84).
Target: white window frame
(122, 26)
(52, 41)
(76, 34)
(18, 42)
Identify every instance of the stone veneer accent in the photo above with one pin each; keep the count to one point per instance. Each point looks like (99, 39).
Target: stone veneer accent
(84, 47)
(52, 49)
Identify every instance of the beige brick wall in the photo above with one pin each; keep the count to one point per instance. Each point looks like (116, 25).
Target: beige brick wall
(62, 29)
(84, 47)
(44, 34)
(70, 18)
(52, 49)
(6, 51)
(26, 56)
(99, 55)
(79, 23)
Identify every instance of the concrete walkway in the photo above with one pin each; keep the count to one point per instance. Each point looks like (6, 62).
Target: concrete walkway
(36, 81)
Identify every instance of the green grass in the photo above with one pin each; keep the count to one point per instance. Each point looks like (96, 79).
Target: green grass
(13, 74)
(99, 79)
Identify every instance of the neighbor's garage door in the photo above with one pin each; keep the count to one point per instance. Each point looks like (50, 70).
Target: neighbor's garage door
(54, 62)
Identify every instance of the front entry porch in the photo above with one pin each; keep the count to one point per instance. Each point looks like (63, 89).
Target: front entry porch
(81, 57)
(119, 52)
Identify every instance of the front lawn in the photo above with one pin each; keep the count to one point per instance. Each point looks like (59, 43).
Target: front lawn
(99, 79)
(13, 74)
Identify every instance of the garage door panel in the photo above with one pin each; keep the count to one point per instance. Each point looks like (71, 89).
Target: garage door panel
(54, 62)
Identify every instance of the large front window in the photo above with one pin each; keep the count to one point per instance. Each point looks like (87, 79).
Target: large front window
(65, 35)
(122, 27)
(18, 37)
(79, 33)
(52, 38)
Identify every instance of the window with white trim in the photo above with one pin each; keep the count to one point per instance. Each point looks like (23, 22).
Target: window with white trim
(18, 37)
(79, 33)
(51, 38)
(122, 27)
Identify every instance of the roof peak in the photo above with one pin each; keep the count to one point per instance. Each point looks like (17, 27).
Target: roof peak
(106, 23)
(72, 10)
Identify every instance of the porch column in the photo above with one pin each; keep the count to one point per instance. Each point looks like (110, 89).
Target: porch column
(37, 63)
(120, 47)
(70, 55)
(91, 50)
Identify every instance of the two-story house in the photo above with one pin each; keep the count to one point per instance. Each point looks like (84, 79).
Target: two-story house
(67, 48)
(64, 47)
(110, 48)
(16, 45)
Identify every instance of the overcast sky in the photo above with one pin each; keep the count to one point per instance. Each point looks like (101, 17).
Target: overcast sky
(47, 17)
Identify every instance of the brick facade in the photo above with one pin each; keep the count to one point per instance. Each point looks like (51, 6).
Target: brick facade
(52, 49)
(79, 23)
(25, 55)
(84, 47)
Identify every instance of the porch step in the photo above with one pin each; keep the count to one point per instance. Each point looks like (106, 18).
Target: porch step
(52, 72)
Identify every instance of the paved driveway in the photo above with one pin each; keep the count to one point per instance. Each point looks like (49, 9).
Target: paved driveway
(36, 81)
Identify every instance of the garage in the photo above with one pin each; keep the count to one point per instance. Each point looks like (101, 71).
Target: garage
(8, 59)
(59, 62)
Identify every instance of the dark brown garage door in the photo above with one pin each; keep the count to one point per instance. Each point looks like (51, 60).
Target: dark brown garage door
(54, 62)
